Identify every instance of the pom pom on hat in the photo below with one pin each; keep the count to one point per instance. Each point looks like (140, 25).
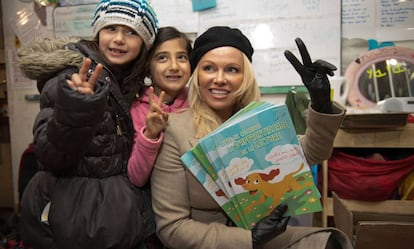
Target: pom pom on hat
(220, 36)
(136, 14)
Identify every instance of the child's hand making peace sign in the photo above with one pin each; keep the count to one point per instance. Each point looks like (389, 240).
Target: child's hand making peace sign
(156, 119)
(79, 81)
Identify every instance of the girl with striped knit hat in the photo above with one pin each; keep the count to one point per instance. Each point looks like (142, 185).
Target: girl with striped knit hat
(83, 133)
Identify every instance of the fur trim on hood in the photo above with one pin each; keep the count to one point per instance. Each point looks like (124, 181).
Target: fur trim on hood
(44, 58)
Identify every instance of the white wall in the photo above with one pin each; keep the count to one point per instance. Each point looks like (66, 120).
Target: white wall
(21, 112)
(274, 98)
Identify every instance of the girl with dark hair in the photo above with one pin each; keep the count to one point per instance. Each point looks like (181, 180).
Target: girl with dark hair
(169, 72)
(81, 197)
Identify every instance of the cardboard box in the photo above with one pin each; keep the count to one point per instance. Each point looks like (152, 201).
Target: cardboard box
(396, 137)
(379, 225)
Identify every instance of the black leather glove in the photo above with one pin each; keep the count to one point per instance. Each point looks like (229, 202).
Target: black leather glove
(270, 226)
(314, 77)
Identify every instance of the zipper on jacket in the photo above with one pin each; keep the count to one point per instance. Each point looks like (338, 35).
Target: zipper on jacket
(118, 126)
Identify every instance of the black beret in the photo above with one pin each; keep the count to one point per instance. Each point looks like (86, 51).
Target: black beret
(219, 36)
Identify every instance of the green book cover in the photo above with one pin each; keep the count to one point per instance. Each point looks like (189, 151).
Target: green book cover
(256, 159)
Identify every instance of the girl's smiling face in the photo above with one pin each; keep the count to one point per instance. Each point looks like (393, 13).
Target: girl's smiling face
(119, 44)
(220, 75)
(170, 67)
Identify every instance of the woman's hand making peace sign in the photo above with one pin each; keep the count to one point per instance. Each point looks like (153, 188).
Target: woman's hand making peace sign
(79, 81)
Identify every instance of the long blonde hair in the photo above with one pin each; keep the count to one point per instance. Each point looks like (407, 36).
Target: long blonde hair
(205, 119)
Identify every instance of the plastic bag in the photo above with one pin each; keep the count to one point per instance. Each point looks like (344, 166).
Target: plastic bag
(359, 178)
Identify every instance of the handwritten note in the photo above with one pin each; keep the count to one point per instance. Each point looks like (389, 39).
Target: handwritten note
(358, 19)
(384, 20)
(395, 20)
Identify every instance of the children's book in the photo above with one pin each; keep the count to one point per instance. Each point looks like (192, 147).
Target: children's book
(214, 187)
(255, 161)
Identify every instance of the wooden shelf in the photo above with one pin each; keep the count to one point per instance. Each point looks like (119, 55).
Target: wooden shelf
(399, 137)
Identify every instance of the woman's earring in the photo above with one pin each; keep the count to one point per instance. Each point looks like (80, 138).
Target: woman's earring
(147, 81)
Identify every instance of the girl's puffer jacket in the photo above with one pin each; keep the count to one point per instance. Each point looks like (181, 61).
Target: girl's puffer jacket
(82, 143)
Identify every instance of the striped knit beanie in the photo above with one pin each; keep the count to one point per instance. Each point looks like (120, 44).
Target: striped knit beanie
(136, 14)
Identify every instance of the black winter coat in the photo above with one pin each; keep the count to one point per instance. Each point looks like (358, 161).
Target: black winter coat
(82, 143)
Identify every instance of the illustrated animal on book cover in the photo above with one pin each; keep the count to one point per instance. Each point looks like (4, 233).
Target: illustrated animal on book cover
(284, 177)
(262, 182)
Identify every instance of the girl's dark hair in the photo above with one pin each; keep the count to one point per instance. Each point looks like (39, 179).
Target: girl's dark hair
(165, 34)
(130, 78)
(133, 84)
